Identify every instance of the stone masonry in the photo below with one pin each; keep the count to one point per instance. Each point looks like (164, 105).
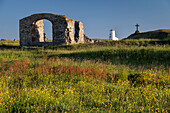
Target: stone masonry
(32, 30)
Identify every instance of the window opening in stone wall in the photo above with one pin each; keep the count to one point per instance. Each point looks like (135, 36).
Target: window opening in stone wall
(76, 32)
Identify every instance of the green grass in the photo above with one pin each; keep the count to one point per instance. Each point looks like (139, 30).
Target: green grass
(114, 76)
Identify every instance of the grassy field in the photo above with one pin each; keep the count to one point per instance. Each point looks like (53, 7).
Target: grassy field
(123, 76)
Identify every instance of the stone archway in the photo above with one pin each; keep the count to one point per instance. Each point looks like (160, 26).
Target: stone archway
(32, 30)
(63, 30)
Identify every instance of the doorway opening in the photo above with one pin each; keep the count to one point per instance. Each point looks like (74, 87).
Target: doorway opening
(48, 31)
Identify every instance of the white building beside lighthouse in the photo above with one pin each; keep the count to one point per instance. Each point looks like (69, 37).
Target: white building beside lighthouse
(112, 35)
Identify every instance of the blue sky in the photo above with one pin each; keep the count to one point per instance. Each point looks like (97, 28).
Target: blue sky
(98, 16)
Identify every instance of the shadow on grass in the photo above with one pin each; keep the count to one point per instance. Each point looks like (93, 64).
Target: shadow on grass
(3, 47)
(13, 47)
(123, 56)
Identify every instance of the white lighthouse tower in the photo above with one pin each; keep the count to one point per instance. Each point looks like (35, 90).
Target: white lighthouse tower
(112, 35)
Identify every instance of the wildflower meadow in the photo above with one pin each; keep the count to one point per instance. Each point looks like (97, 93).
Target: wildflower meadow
(99, 79)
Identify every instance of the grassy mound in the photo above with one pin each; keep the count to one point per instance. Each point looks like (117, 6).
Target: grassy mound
(163, 34)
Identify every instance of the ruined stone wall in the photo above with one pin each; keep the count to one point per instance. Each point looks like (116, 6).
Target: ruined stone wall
(32, 30)
(26, 24)
(69, 33)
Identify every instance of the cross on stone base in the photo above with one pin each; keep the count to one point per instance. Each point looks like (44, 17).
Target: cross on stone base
(137, 28)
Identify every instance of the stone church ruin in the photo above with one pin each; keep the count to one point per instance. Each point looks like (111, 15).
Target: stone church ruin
(64, 30)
